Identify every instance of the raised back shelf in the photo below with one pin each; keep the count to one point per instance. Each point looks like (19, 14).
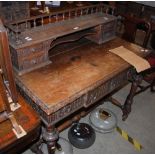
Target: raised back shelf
(32, 38)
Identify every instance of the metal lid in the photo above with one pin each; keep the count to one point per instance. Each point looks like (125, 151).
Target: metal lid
(103, 120)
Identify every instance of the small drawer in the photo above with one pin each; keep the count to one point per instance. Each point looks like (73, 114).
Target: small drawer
(31, 50)
(110, 25)
(29, 63)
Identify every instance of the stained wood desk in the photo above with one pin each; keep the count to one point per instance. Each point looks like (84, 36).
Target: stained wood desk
(76, 79)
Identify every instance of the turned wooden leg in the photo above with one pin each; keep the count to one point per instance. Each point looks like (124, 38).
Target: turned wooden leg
(137, 79)
(50, 136)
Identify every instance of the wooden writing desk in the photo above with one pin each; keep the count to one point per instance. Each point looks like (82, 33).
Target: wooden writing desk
(71, 75)
(58, 86)
(75, 79)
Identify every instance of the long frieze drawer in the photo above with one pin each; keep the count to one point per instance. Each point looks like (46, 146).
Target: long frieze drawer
(102, 90)
(66, 110)
(56, 116)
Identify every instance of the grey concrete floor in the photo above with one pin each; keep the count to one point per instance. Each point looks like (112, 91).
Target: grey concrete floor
(140, 125)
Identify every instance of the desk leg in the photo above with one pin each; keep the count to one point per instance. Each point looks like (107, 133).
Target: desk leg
(50, 136)
(137, 79)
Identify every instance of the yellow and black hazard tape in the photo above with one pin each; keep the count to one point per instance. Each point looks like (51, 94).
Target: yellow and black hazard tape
(134, 142)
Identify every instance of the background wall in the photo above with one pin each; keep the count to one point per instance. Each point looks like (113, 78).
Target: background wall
(149, 3)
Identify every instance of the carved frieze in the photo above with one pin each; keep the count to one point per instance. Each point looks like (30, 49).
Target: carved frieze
(107, 87)
(84, 100)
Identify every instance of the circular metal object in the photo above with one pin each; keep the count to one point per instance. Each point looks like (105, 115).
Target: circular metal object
(103, 120)
(81, 135)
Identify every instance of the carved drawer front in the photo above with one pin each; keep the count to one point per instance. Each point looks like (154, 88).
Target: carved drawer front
(109, 26)
(97, 93)
(31, 50)
(102, 90)
(31, 56)
(66, 110)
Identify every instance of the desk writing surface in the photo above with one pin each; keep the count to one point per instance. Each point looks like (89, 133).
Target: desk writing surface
(73, 73)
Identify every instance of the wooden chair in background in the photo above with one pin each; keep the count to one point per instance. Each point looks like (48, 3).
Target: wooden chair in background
(131, 26)
(19, 124)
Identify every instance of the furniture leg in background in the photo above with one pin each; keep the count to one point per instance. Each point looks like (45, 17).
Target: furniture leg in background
(137, 79)
(49, 136)
(126, 107)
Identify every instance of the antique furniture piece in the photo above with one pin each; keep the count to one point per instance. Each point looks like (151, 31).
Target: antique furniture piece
(57, 85)
(133, 24)
(11, 11)
(75, 79)
(32, 38)
(19, 124)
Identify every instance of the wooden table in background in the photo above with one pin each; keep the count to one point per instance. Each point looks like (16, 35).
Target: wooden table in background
(28, 119)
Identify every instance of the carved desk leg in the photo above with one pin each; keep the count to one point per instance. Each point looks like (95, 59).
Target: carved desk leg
(137, 79)
(49, 137)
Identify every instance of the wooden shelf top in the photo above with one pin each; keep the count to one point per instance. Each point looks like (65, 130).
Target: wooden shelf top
(52, 31)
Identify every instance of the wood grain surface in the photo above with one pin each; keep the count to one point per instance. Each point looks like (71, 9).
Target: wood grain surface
(75, 72)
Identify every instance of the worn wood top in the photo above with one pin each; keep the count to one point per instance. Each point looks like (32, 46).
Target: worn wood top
(54, 30)
(73, 73)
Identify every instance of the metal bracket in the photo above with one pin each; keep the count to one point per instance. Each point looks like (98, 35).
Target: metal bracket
(14, 106)
(17, 129)
(21, 134)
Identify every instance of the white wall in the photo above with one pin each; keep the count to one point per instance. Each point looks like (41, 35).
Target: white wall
(149, 3)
